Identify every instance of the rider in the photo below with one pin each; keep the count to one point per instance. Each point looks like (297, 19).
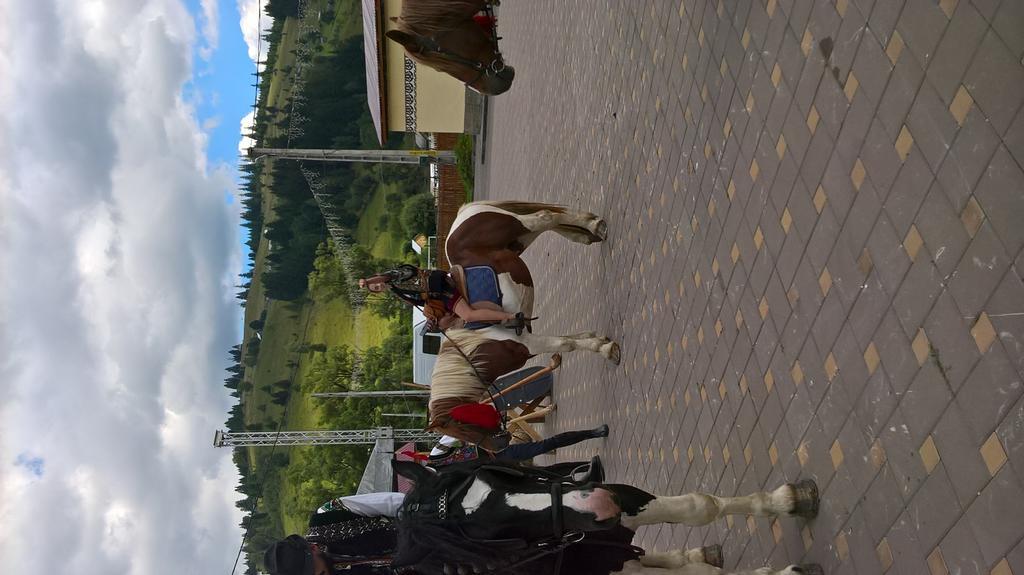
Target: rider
(435, 292)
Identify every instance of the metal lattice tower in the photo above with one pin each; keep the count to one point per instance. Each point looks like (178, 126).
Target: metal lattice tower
(320, 437)
(375, 156)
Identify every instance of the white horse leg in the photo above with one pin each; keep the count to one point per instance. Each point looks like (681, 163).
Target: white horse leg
(538, 344)
(637, 568)
(567, 223)
(701, 508)
(675, 558)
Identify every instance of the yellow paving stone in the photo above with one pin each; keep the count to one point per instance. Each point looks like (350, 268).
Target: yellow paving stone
(689, 454)
(739, 319)
(802, 454)
(707, 453)
(913, 242)
(961, 105)
(718, 328)
(825, 281)
(743, 385)
(1001, 568)
(776, 531)
(722, 390)
(696, 279)
(776, 75)
(735, 253)
(903, 143)
(780, 146)
(877, 455)
(732, 190)
(819, 199)
(983, 333)
(836, 454)
(841, 6)
(711, 207)
(685, 342)
(703, 394)
(936, 564)
(895, 47)
(723, 68)
(929, 454)
(808, 539)
(786, 221)
(694, 224)
(762, 307)
(812, 120)
(682, 8)
(921, 346)
(993, 453)
(747, 454)
(972, 216)
(751, 524)
(729, 521)
(758, 238)
(675, 454)
(686, 63)
(686, 397)
(707, 150)
(773, 453)
(948, 6)
(871, 358)
(842, 547)
(745, 41)
(884, 554)
(725, 454)
(700, 335)
(850, 88)
(797, 372)
(727, 129)
(750, 102)
(700, 37)
(807, 42)
(769, 380)
(793, 295)
(754, 170)
(864, 263)
(857, 175)
(770, 8)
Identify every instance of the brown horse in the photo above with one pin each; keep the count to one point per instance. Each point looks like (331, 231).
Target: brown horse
(494, 235)
(442, 34)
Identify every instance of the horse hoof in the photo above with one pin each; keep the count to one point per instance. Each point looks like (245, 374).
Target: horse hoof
(805, 499)
(600, 232)
(713, 555)
(809, 569)
(615, 354)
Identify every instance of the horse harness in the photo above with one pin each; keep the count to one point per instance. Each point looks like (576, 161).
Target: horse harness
(559, 540)
(496, 66)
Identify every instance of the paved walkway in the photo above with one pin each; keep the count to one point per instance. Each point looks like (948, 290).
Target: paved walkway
(814, 265)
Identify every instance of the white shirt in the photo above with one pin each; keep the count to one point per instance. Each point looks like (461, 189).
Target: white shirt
(368, 505)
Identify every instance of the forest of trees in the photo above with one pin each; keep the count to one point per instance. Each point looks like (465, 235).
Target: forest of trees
(302, 262)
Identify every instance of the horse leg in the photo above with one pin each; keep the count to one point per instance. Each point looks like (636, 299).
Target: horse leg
(701, 508)
(579, 227)
(538, 344)
(710, 555)
(637, 568)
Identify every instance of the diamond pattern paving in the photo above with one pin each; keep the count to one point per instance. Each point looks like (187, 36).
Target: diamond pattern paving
(813, 266)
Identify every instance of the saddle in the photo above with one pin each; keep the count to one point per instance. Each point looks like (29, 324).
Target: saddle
(478, 285)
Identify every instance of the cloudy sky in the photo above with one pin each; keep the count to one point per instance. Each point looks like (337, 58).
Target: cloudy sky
(119, 250)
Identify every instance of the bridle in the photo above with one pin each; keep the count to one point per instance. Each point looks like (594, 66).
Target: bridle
(493, 68)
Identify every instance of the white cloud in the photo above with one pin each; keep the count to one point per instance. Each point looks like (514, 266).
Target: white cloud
(245, 129)
(118, 256)
(210, 30)
(253, 25)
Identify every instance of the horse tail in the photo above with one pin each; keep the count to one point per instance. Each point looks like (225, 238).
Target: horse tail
(519, 208)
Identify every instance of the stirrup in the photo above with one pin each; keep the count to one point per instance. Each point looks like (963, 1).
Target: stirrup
(519, 323)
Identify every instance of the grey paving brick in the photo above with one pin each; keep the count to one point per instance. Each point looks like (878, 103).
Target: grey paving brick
(968, 159)
(996, 81)
(953, 439)
(955, 50)
(995, 515)
(1001, 195)
(979, 272)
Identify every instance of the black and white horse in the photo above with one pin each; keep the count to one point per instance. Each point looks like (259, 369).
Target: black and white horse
(483, 518)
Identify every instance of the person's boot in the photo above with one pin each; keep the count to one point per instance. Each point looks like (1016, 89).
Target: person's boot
(519, 323)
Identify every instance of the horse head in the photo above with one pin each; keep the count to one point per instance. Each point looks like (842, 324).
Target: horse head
(451, 42)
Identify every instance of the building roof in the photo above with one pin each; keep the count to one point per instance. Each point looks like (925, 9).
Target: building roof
(373, 51)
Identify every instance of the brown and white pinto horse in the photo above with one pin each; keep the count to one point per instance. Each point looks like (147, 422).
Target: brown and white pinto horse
(495, 234)
(442, 34)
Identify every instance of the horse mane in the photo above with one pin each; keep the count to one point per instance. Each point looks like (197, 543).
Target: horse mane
(436, 16)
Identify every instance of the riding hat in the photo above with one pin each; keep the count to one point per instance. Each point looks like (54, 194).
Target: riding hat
(290, 556)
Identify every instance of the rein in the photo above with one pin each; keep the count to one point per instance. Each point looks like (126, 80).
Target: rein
(496, 66)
